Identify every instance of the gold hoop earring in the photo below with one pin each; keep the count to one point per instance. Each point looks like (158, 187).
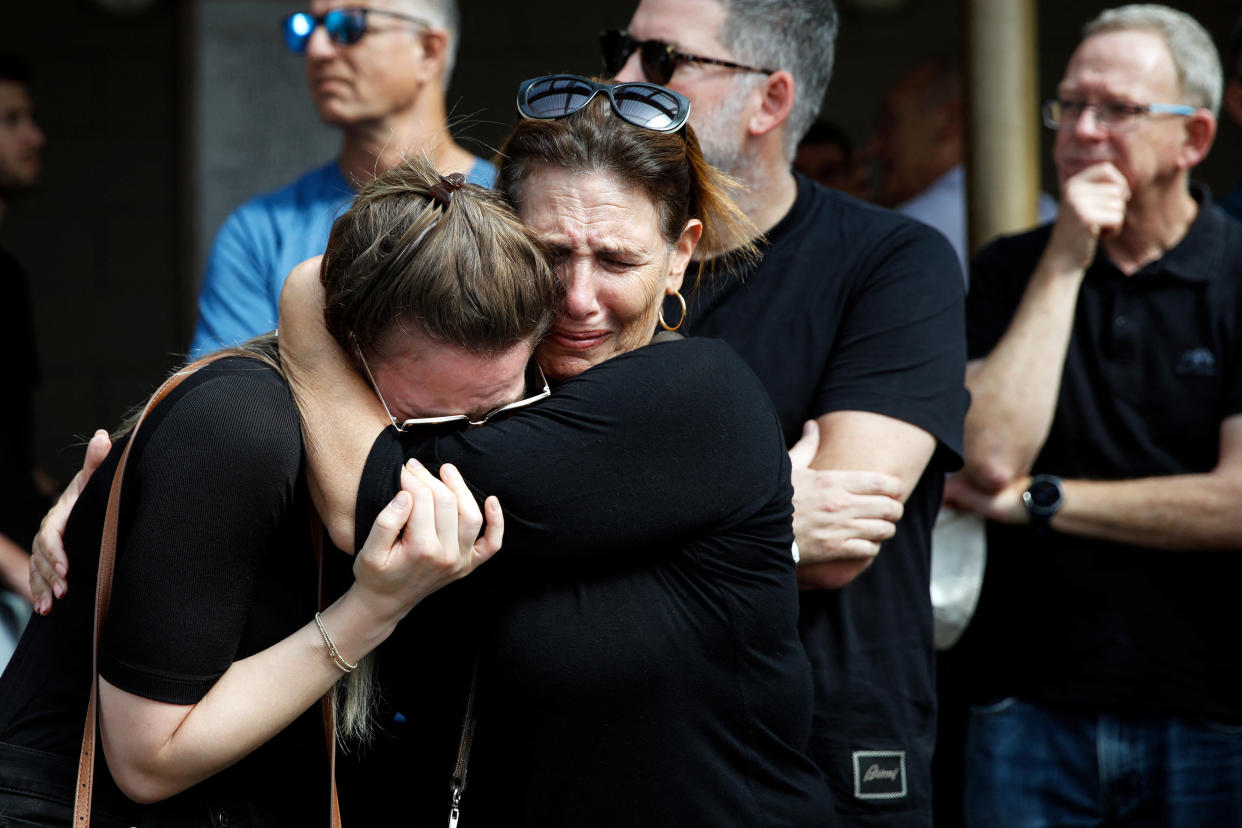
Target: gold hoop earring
(681, 321)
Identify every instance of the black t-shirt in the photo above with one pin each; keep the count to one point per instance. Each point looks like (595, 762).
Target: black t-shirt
(20, 504)
(214, 564)
(639, 662)
(856, 308)
(1154, 365)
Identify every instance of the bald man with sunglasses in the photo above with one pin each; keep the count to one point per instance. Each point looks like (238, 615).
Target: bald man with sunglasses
(379, 73)
(853, 319)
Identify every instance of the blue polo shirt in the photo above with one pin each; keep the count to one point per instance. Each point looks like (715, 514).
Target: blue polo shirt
(261, 241)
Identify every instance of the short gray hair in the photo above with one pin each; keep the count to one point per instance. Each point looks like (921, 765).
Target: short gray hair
(1194, 53)
(441, 14)
(795, 35)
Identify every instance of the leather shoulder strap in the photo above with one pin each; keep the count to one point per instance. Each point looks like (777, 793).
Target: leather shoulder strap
(103, 593)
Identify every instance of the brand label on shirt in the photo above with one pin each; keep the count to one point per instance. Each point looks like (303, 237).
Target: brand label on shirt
(1197, 362)
(879, 774)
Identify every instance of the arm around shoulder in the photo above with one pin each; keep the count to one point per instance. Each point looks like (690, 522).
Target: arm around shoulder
(341, 416)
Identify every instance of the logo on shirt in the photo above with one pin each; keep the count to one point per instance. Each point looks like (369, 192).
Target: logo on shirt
(879, 774)
(1196, 362)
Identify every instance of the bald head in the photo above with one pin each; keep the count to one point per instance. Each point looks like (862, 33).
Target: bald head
(918, 135)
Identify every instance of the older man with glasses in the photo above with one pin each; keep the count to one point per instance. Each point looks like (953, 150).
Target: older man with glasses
(1104, 446)
(379, 73)
(853, 319)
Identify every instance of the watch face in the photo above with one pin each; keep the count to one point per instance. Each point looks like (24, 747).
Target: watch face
(1044, 494)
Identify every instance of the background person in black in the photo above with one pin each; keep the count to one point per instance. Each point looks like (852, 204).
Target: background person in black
(639, 654)
(20, 501)
(1106, 362)
(209, 650)
(852, 318)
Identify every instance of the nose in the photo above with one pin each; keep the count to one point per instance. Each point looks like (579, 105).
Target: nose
(632, 70)
(1088, 123)
(581, 298)
(319, 45)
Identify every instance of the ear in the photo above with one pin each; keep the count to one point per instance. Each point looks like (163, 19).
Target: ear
(1232, 102)
(435, 54)
(1200, 132)
(683, 251)
(775, 103)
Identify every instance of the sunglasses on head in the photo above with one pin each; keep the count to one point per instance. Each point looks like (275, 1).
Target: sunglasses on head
(345, 26)
(657, 58)
(642, 104)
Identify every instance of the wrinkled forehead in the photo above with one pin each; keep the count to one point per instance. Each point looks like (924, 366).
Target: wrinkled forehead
(1133, 65)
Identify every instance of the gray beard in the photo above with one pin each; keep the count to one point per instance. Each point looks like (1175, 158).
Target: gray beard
(721, 149)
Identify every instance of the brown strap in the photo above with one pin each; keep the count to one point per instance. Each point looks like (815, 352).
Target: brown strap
(327, 704)
(103, 593)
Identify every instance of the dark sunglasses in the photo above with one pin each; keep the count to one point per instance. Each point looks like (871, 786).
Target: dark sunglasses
(657, 58)
(641, 104)
(345, 26)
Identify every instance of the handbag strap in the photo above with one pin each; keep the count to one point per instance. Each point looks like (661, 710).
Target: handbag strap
(458, 785)
(327, 703)
(103, 593)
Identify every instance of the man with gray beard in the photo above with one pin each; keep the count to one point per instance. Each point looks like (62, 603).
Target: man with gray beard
(853, 318)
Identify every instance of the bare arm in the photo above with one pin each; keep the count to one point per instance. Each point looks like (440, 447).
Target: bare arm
(860, 441)
(1014, 389)
(1189, 511)
(839, 514)
(156, 750)
(324, 385)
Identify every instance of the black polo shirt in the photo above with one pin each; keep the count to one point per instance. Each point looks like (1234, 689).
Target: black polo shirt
(1153, 367)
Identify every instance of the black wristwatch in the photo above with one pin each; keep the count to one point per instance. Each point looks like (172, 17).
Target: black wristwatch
(1043, 499)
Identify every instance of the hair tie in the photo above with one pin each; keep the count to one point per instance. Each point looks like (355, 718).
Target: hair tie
(443, 191)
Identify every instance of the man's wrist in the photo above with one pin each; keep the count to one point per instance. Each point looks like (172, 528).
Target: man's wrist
(1043, 498)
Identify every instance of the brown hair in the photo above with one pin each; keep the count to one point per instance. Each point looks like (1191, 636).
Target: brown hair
(668, 167)
(461, 268)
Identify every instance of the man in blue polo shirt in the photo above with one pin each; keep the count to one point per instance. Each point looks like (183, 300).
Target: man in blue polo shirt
(1104, 445)
(379, 74)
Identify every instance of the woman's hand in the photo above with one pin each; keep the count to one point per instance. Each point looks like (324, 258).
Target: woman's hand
(49, 565)
(445, 539)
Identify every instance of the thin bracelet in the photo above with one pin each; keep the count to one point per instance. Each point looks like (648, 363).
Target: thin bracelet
(337, 659)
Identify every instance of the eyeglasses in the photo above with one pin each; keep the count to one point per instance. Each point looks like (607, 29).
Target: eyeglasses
(658, 59)
(534, 379)
(1112, 116)
(345, 26)
(641, 104)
